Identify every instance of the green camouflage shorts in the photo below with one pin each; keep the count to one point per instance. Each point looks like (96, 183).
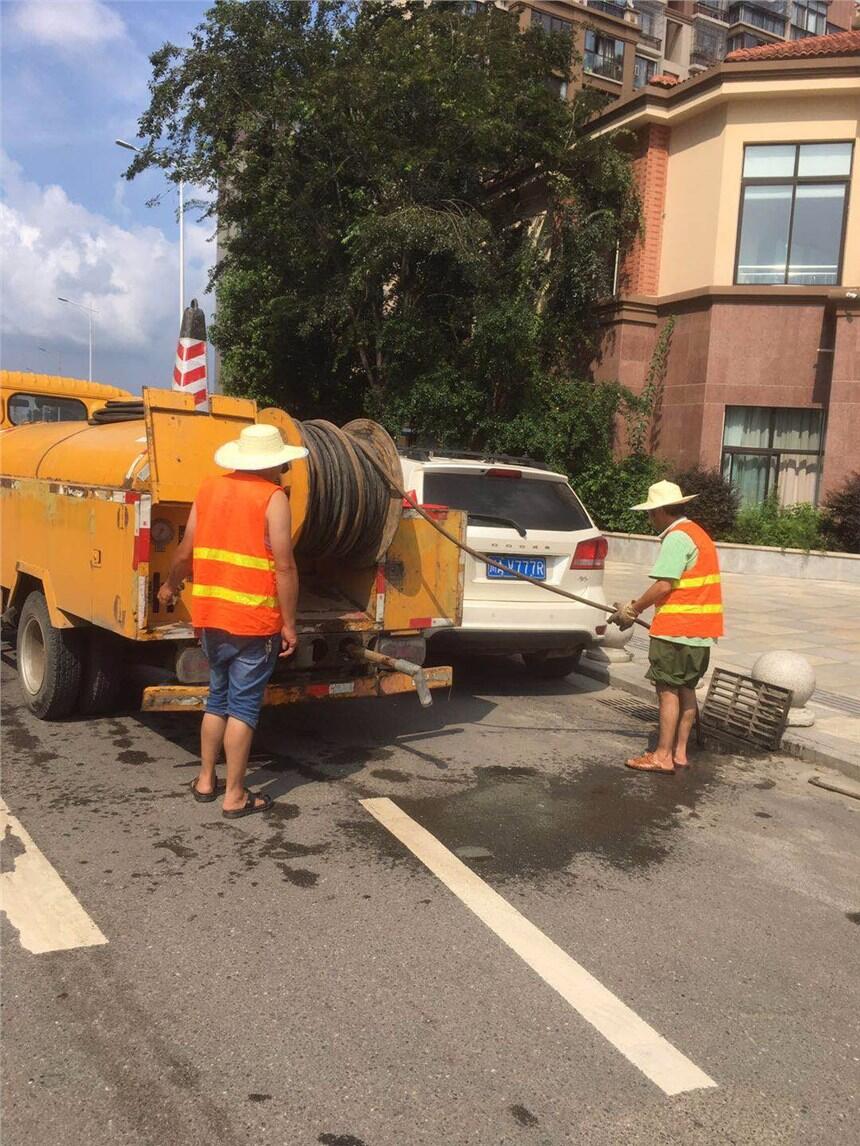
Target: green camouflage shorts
(681, 666)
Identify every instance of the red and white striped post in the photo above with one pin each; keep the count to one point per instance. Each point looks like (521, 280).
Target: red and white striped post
(189, 372)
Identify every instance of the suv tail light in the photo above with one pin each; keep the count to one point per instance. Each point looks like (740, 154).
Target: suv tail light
(590, 554)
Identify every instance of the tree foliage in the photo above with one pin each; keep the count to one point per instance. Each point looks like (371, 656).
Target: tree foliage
(419, 229)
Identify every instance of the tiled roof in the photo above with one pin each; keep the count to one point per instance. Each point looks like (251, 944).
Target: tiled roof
(837, 44)
(663, 81)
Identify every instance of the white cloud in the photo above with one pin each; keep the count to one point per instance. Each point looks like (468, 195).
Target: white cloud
(68, 24)
(51, 245)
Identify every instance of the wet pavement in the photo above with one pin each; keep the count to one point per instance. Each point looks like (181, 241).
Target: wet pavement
(302, 978)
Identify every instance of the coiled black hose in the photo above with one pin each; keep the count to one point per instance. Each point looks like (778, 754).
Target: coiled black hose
(348, 500)
(118, 410)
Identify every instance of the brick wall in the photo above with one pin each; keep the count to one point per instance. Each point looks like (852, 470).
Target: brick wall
(640, 270)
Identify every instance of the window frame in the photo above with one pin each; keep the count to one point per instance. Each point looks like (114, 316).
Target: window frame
(616, 57)
(45, 397)
(772, 452)
(794, 181)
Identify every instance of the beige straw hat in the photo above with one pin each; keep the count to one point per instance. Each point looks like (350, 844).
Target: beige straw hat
(257, 448)
(664, 493)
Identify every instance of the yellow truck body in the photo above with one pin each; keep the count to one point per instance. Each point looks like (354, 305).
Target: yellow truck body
(26, 398)
(91, 516)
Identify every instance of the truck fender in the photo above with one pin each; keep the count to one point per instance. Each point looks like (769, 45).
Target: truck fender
(29, 577)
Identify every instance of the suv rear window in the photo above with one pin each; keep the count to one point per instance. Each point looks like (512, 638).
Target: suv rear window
(532, 503)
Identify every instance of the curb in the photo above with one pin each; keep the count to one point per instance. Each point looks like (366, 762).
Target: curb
(821, 750)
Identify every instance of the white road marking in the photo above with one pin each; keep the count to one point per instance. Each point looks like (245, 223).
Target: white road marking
(637, 1041)
(38, 904)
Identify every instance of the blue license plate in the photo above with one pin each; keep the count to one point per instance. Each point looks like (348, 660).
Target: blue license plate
(530, 566)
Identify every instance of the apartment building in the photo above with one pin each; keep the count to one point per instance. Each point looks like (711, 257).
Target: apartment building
(752, 244)
(621, 45)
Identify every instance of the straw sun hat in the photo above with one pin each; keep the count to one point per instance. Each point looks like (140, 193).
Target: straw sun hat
(257, 448)
(664, 493)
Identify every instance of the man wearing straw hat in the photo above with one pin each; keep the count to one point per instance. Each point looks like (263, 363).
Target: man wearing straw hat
(688, 619)
(238, 545)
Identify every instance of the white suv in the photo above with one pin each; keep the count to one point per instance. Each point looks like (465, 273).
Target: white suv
(529, 518)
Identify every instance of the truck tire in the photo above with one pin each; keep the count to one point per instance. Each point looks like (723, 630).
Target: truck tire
(100, 677)
(49, 661)
(551, 668)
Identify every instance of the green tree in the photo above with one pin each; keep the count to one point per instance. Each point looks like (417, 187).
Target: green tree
(419, 229)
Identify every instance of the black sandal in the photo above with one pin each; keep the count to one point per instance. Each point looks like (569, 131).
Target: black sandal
(251, 805)
(207, 797)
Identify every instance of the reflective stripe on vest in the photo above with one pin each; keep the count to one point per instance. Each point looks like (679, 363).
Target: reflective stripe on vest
(234, 586)
(207, 553)
(694, 608)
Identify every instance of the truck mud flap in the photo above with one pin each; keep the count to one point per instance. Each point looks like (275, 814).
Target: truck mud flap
(192, 698)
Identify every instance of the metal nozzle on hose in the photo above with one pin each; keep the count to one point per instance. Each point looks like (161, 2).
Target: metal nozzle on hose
(395, 664)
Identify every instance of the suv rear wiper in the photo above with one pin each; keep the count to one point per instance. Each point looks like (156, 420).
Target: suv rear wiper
(500, 520)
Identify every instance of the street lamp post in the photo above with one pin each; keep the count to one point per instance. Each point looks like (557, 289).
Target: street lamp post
(131, 147)
(90, 311)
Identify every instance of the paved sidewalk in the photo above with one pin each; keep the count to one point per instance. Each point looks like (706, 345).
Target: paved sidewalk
(820, 619)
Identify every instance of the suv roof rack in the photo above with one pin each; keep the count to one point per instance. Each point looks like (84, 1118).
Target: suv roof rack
(425, 454)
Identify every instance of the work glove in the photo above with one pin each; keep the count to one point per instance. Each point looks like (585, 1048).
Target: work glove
(624, 615)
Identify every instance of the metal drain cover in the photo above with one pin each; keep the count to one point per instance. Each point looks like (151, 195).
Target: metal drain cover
(740, 708)
(630, 707)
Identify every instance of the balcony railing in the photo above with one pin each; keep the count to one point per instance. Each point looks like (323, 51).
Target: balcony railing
(608, 67)
(647, 38)
(609, 7)
(716, 11)
(705, 56)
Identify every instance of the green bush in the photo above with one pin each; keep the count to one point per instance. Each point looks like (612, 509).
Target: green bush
(716, 507)
(609, 488)
(842, 516)
(786, 527)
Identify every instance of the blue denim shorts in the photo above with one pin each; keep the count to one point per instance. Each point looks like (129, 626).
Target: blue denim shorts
(239, 670)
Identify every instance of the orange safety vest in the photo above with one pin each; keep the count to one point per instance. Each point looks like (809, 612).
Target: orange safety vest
(694, 608)
(234, 573)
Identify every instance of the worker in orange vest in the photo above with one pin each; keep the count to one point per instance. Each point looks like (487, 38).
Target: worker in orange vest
(688, 619)
(238, 547)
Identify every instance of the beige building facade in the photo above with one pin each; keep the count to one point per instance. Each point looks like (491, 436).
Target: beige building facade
(750, 180)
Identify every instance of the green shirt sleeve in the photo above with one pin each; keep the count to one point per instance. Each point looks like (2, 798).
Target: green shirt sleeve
(677, 554)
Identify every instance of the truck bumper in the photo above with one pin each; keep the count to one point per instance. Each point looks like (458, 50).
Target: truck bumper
(192, 698)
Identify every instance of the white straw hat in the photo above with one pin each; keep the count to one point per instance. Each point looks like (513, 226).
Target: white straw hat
(257, 448)
(664, 493)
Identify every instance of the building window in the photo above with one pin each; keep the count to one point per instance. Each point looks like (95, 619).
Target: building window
(604, 56)
(643, 70)
(709, 45)
(25, 408)
(745, 40)
(772, 452)
(808, 18)
(557, 86)
(758, 17)
(792, 218)
(549, 23)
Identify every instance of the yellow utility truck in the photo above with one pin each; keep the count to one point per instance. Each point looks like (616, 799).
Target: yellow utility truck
(91, 515)
(27, 398)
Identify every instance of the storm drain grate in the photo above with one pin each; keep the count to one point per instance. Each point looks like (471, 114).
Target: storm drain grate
(740, 708)
(646, 712)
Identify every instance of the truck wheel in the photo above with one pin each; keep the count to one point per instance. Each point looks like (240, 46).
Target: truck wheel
(100, 678)
(49, 661)
(551, 668)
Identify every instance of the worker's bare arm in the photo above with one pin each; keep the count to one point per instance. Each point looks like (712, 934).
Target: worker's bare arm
(180, 567)
(279, 525)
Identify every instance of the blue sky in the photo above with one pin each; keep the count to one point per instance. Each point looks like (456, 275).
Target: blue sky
(74, 78)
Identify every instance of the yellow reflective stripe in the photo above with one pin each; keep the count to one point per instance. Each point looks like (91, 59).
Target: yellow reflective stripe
(221, 594)
(230, 558)
(698, 582)
(690, 609)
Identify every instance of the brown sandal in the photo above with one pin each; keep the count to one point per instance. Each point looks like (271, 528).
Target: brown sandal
(647, 763)
(207, 797)
(250, 805)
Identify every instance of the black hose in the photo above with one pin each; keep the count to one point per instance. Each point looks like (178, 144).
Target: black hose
(348, 501)
(118, 410)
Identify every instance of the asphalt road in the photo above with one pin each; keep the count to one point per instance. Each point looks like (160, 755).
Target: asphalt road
(303, 979)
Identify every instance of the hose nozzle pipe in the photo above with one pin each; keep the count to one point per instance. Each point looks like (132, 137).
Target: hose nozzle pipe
(394, 664)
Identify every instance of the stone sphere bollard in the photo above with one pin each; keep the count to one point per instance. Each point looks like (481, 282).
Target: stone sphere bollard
(792, 671)
(612, 646)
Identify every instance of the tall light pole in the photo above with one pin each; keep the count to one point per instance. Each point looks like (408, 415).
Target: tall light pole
(90, 311)
(45, 350)
(131, 147)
